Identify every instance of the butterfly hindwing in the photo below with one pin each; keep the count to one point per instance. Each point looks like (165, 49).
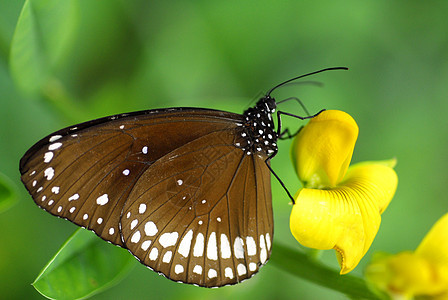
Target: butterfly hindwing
(200, 219)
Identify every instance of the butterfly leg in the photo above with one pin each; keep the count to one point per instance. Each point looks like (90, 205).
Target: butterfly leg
(279, 120)
(286, 134)
(299, 101)
(277, 177)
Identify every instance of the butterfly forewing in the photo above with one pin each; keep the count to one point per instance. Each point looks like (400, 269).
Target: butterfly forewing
(85, 173)
(194, 215)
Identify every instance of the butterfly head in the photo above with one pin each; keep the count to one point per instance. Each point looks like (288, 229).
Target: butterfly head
(258, 133)
(268, 104)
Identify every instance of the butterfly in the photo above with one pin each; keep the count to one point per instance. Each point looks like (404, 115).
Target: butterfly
(187, 191)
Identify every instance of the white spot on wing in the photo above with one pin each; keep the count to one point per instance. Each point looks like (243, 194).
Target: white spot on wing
(126, 172)
(167, 257)
(185, 244)
(241, 269)
(48, 156)
(102, 200)
(49, 173)
(263, 252)
(150, 229)
(198, 249)
(251, 246)
(85, 217)
(99, 220)
(74, 197)
(180, 182)
(168, 239)
(228, 272)
(145, 245)
(197, 269)
(59, 209)
(72, 209)
(238, 248)
(225, 246)
(145, 150)
(142, 208)
(136, 237)
(55, 190)
(54, 146)
(134, 223)
(178, 269)
(252, 266)
(111, 230)
(212, 273)
(268, 241)
(212, 248)
(50, 202)
(54, 138)
(153, 254)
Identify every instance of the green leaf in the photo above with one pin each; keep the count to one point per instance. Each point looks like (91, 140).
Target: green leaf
(43, 35)
(85, 265)
(8, 193)
(307, 268)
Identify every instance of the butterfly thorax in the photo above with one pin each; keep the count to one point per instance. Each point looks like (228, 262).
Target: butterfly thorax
(258, 135)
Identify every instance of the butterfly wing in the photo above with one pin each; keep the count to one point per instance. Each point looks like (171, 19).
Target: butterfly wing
(86, 172)
(202, 214)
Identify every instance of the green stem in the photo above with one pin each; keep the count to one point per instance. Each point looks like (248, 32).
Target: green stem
(305, 267)
(314, 254)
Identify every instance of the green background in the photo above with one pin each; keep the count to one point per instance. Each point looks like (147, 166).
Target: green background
(107, 57)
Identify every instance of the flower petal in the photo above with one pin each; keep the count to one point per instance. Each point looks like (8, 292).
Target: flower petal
(345, 218)
(434, 246)
(378, 176)
(407, 274)
(322, 150)
(420, 273)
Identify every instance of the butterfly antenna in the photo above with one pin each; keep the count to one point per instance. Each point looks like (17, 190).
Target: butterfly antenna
(305, 75)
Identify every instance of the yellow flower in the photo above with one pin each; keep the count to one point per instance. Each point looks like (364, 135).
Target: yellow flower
(420, 273)
(339, 206)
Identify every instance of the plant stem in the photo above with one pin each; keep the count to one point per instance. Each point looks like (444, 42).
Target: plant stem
(305, 267)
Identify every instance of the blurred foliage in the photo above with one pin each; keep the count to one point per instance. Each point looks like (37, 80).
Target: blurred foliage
(84, 266)
(8, 193)
(96, 58)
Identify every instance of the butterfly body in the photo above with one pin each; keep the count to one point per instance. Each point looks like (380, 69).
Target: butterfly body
(185, 190)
